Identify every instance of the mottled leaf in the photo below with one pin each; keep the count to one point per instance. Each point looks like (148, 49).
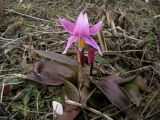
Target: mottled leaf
(112, 91)
(58, 57)
(52, 73)
(108, 86)
(132, 92)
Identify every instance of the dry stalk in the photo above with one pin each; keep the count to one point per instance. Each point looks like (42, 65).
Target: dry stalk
(102, 41)
(28, 16)
(111, 23)
(2, 12)
(89, 108)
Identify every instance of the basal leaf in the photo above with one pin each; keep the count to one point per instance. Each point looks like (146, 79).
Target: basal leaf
(112, 91)
(121, 80)
(132, 92)
(58, 57)
(72, 93)
(52, 73)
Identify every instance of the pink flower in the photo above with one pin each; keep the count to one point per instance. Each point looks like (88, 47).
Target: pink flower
(81, 31)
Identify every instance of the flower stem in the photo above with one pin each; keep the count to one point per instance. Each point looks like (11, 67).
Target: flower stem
(80, 57)
(91, 69)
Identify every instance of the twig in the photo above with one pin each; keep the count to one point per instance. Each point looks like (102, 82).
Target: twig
(157, 16)
(111, 23)
(36, 34)
(2, 13)
(123, 56)
(2, 90)
(88, 108)
(135, 70)
(149, 102)
(28, 16)
(120, 35)
(102, 40)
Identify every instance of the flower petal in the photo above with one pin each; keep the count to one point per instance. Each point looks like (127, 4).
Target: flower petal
(70, 41)
(69, 26)
(82, 25)
(79, 23)
(91, 42)
(95, 28)
(85, 30)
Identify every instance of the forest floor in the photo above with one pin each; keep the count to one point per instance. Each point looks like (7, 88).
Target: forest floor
(130, 41)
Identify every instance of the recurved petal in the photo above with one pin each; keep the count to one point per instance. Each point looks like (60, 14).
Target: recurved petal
(91, 42)
(70, 41)
(69, 26)
(95, 28)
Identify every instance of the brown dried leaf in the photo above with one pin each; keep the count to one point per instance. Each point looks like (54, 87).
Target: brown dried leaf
(58, 57)
(52, 73)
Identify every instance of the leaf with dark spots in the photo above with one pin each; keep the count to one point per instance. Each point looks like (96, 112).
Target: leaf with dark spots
(52, 73)
(58, 57)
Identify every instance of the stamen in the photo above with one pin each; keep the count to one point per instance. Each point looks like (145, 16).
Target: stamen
(81, 44)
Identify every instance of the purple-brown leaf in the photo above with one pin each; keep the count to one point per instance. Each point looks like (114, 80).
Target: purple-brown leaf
(112, 91)
(72, 93)
(70, 112)
(52, 73)
(132, 92)
(58, 57)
